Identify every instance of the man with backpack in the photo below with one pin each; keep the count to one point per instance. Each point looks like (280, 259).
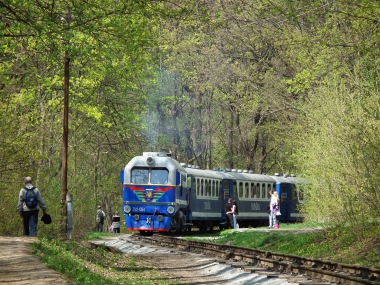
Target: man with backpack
(29, 203)
(100, 215)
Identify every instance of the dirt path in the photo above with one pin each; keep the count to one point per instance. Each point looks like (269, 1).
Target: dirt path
(19, 267)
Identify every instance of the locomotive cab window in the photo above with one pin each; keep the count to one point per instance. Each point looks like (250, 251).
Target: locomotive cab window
(159, 176)
(140, 175)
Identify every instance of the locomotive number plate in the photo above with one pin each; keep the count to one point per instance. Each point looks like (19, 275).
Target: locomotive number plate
(136, 209)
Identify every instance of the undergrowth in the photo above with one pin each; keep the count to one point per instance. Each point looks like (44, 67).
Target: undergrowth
(80, 264)
(338, 244)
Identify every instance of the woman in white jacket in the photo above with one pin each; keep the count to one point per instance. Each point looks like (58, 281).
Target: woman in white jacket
(274, 202)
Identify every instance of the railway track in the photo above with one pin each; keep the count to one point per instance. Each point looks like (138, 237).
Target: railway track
(295, 269)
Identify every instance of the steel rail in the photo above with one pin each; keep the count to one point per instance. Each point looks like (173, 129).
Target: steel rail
(284, 263)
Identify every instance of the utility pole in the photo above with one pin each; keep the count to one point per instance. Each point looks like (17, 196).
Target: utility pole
(65, 123)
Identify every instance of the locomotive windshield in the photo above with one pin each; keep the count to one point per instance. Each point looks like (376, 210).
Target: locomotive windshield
(144, 174)
(140, 175)
(159, 176)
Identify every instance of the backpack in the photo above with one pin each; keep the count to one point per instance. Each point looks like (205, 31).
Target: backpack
(100, 217)
(31, 197)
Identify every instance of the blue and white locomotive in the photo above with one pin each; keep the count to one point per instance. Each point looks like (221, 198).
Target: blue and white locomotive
(160, 194)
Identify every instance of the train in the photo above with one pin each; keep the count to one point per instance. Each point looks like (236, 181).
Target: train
(161, 195)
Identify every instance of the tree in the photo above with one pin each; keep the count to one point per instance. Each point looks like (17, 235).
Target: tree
(111, 47)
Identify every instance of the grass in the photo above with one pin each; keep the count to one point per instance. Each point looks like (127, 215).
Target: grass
(340, 244)
(83, 265)
(80, 264)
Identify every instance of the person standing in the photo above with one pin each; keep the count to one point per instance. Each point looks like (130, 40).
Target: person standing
(276, 210)
(273, 205)
(116, 223)
(229, 219)
(29, 203)
(100, 215)
(234, 211)
(270, 210)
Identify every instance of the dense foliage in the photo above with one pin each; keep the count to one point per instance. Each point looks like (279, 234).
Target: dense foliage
(273, 86)
(111, 48)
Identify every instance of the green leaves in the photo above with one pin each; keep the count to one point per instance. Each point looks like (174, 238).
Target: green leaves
(109, 44)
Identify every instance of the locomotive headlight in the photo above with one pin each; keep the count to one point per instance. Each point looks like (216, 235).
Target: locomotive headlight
(150, 160)
(170, 209)
(136, 217)
(160, 218)
(127, 209)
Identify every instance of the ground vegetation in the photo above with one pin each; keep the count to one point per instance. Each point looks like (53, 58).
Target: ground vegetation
(79, 263)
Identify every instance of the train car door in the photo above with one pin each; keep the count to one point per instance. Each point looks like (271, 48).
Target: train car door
(227, 192)
(285, 201)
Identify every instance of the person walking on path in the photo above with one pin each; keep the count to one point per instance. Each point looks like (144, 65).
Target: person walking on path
(116, 223)
(29, 203)
(100, 215)
(227, 209)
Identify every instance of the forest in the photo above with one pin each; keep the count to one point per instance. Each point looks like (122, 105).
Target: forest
(268, 85)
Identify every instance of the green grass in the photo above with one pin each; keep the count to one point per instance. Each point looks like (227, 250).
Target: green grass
(339, 244)
(83, 265)
(98, 235)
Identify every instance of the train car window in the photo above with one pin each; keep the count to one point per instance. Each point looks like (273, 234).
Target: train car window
(241, 189)
(269, 188)
(217, 188)
(283, 194)
(258, 188)
(184, 180)
(213, 188)
(140, 175)
(301, 195)
(294, 193)
(207, 188)
(225, 189)
(234, 189)
(263, 190)
(246, 190)
(202, 187)
(159, 176)
(198, 187)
